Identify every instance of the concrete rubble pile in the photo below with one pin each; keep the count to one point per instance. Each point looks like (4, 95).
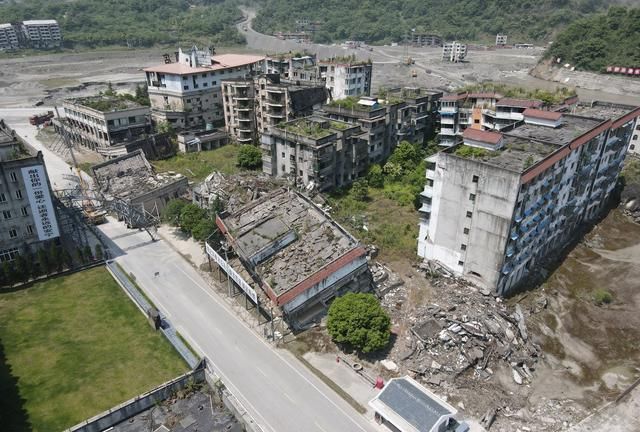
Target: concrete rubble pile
(466, 333)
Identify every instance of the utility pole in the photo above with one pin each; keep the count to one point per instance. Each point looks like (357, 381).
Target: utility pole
(226, 259)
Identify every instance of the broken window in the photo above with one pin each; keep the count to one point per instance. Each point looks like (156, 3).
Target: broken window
(475, 179)
(469, 214)
(472, 197)
(463, 247)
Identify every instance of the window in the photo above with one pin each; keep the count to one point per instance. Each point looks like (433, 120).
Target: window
(8, 254)
(184, 78)
(476, 121)
(30, 229)
(469, 214)
(282, 154)
(18, 194)
(188, 100)
(24, 211)
(132, 120)
(460, 263)
(635, 137)
(475, 179)
(466, 230)
(185, 87)
(13, 233)
(463, 247)
(472, 197)
(2, 198)
(6, 214)
(205, 85)
(13, 177)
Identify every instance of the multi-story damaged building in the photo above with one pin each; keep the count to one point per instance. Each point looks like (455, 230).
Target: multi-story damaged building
(498, 204)
(483, 111)
(290, 253)
(454, 52)
(318, 153)
(8, 37)
(42, 33)
(254, 104)
(345, 77)
(425, 39)
(418, 117)
(29, 219)
(293, 66)
(102, 122)
(187, 93)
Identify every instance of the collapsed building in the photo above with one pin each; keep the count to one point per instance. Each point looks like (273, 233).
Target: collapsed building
(288, 252)
(129, 186)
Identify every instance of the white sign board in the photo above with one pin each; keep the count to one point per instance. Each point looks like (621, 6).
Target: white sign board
(232, 273)
(35, 182)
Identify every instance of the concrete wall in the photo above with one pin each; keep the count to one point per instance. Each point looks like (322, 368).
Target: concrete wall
(488, 227)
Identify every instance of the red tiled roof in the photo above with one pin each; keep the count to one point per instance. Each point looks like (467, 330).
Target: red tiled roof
(221, 61)
(519, 103)
(485, 95)
(540, 114)
(482, 136)
(454, 97)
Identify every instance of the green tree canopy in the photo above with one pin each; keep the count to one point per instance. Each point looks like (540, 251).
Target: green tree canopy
(360, 190)
(190, 217)
(203, 229)
(375, 176)
(172, 211)
(249, 157)
(357, 319)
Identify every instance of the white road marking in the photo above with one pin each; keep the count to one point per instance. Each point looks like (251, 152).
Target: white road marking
(289, 397)
(262, 372)
(319, 427)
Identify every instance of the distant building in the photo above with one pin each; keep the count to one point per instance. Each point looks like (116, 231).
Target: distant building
(404, 405)
(501, 40)
(287, 252)
(187, 93)
(293, 67)
(300, 36)
(454, 52)
(102, 122)
(251, 105)
(345, 77)
(423, 39)
(42, 33)
(8, 37)
(29, 219)
(316, 152)
(500, 204)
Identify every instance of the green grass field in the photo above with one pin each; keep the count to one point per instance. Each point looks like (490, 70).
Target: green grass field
(196, 166)
(72, 347)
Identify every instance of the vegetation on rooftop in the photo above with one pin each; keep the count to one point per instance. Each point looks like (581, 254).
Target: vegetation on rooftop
(546, 96)
(73, 346)
(385, 21)
(110, 100)
(196, 166)
(133, 23)
(598, 41)
(306, 128)
(350, 103)
(470, 152)
(339, 125)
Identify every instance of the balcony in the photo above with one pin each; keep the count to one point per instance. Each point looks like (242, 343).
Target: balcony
(425, 208)
(448, 110)
(426, 193)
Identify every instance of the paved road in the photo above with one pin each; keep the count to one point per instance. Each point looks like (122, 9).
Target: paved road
(277, 390)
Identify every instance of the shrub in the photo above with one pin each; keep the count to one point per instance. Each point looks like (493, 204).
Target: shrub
(360, 190)
(357, 319)
(249, 157)
(602, 296)
(376, 176)
(190, 216)
(172, 211)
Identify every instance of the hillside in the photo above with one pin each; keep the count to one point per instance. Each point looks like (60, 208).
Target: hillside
(601, 40)
(378, 21)
(137, 22)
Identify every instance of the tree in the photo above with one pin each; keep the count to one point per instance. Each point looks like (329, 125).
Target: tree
(360, 190)
(406, 155)
(357, 319)
(165, 127)
(8, 274)
(56, 258)
(190, 216)
(109, 91)
(249, 157)
(376, 176)
(23, 268)
(172, 211)
(204, 229)
(44, 261)
(393, 171)
(67, 259)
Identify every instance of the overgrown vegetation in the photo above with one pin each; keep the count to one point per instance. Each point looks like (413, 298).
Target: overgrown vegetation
(194, 221)
(384, 21)
(307, 128)
(111, 100)
(382, 210)
(72, 347)
(249, 157)
(196, 166)
(44, 261)
(466, 151)
(546, 96)
(358, 320)
(96, 23)
(602, 296)
(595, 42)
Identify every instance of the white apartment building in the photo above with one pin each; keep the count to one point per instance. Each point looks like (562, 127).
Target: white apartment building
(501, 39)
(187, 93)
(42, 33)
(454, 52)
(27, 212)
(8, 37)
(346, 77)
(498, 205)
